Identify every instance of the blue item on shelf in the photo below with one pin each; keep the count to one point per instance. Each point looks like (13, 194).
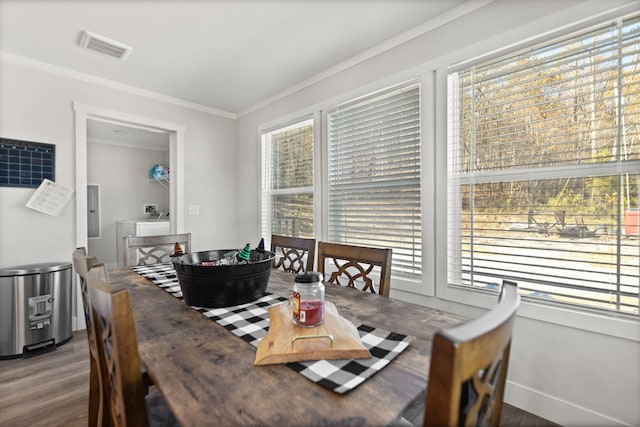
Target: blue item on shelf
(157, 172)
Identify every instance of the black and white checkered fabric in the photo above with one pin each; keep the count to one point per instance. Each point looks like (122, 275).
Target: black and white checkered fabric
(248, 321)
(251, 322)
(163, 275)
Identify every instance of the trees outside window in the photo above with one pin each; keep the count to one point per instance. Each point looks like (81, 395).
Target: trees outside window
(544, 170)
(287, 180)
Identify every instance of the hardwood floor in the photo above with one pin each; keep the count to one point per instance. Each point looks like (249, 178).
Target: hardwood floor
(52, 389)
(511, 417)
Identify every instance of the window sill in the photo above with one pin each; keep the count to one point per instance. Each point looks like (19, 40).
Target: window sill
(471, 303)
(612, 324)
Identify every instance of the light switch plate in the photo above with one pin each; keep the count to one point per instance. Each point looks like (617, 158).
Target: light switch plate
(194, 209)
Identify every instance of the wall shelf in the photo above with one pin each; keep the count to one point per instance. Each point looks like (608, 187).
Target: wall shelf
(163, 180)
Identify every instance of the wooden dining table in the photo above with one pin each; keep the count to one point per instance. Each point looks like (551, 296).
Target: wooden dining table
(207, 375)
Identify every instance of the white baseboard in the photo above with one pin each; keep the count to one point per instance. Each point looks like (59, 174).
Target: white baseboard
(555, 410)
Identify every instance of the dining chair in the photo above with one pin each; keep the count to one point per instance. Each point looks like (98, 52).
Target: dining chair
(144, 250)
(469, 367)
(296, 254)
(355, 264)
(97, 398)
(128, 401)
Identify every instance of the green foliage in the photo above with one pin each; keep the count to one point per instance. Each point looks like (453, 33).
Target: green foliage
(548, 109)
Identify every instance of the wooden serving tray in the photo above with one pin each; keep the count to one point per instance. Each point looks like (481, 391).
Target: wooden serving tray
(277, 346)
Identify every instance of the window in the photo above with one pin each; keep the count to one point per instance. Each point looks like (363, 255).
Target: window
(544, 170)
(374, 175)
(287, 181)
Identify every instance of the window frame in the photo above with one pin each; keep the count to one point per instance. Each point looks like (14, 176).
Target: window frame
(617, 324)
(433, 290)
(401, 282)
(283, 125)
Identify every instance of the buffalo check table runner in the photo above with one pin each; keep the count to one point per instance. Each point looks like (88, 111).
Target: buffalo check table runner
(250, 322)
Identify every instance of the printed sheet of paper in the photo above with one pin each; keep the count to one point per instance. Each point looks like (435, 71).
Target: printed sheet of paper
(49, 198)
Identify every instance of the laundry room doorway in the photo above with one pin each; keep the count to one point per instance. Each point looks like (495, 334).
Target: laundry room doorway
(96, 121)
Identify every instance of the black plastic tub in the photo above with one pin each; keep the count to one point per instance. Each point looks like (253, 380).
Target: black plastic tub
(214, 286)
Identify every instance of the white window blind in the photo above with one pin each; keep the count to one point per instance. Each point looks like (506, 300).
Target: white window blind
(374, 175)
(544, 163)
(287, 180)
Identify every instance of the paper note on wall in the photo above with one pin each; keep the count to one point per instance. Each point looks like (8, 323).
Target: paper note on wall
(49, 198)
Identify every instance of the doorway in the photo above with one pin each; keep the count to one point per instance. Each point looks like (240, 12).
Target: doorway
(121, 159)
(84, 113)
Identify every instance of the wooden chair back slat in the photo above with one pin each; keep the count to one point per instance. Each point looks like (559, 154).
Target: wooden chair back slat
(354, 265)
(293, 254)
(469, 367)
(145, 250)
(98, 415)
(118, 349)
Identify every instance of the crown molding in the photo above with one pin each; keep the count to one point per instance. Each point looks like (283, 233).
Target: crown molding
(427, 26)
(111, 84)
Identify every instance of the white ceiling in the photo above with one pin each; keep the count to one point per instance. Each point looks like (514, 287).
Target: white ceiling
(105, 132)
(226, 56)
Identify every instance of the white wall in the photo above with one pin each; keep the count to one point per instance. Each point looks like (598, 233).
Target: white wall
(122, 173)
(571, 367)
(37, 105)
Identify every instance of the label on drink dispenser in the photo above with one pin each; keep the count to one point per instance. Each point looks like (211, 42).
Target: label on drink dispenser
(296, 307)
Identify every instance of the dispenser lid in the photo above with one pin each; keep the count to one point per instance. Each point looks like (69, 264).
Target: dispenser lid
(308, 277)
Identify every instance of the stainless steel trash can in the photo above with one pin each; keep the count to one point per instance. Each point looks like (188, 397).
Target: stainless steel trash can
(35, 308)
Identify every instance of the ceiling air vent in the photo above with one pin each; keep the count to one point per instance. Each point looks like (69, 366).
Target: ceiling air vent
(104, 45)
